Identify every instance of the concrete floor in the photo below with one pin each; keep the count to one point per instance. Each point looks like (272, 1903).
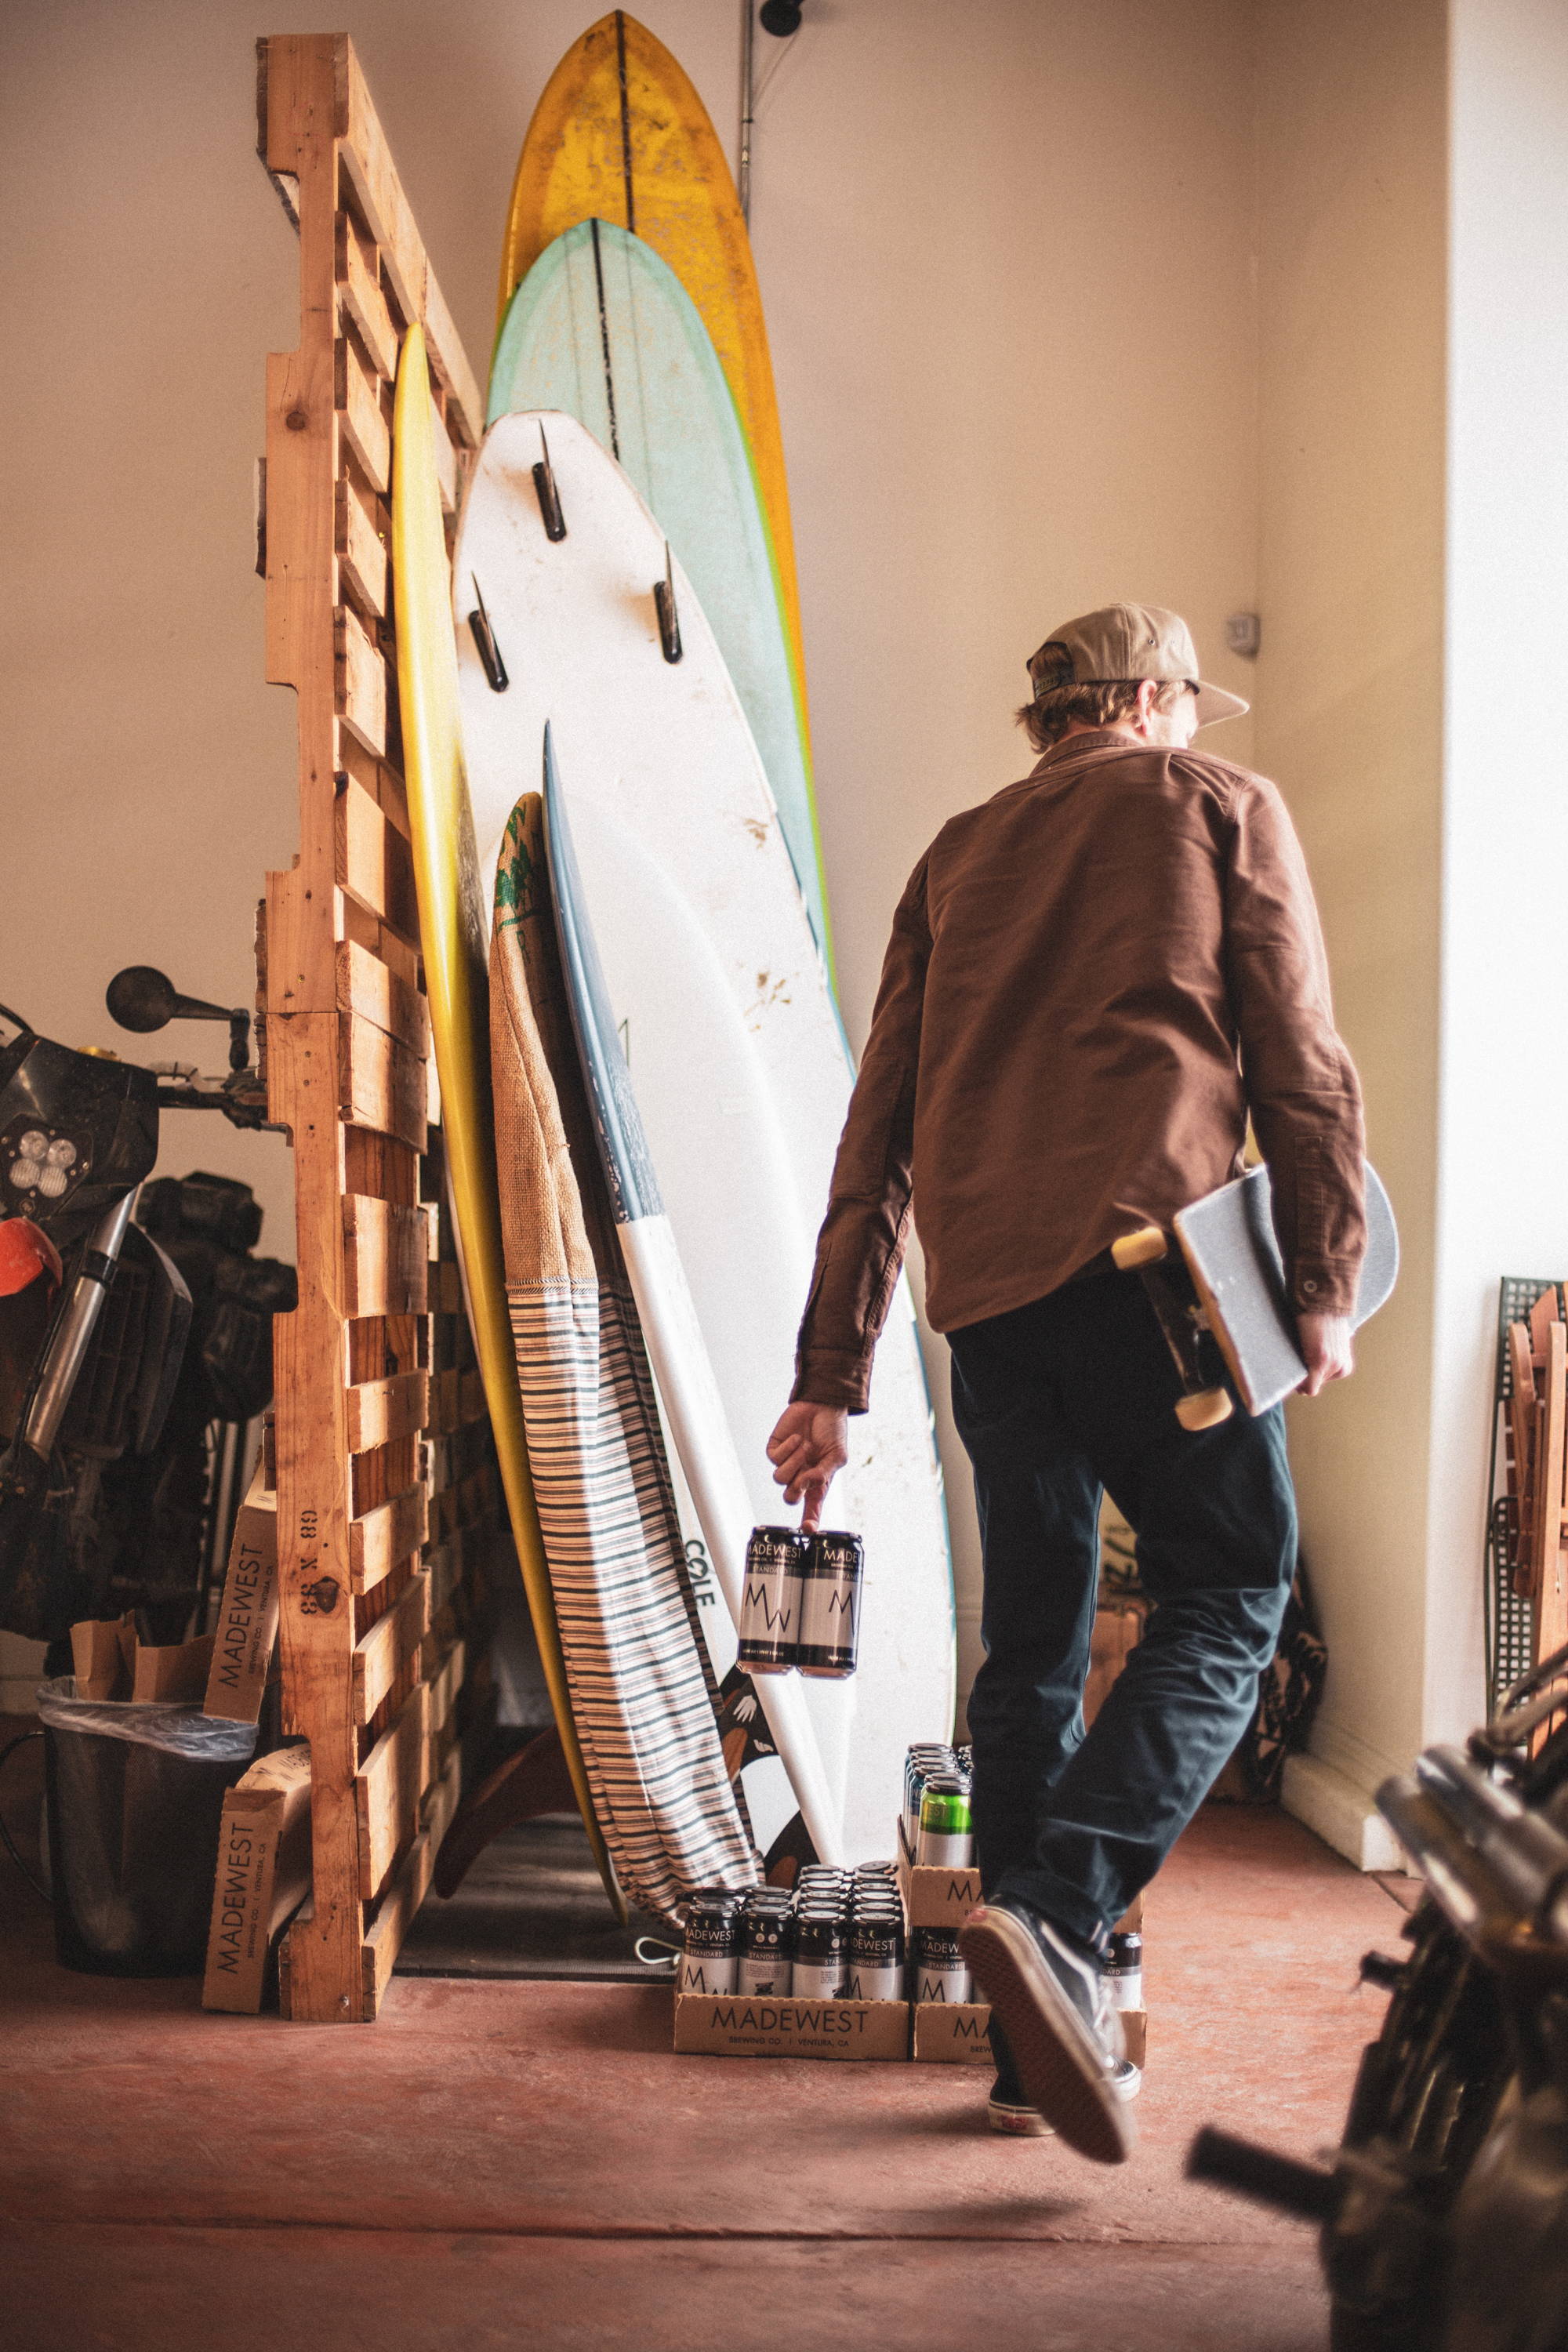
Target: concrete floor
(527, 2164)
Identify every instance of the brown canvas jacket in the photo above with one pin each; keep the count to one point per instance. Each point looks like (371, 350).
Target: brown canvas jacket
(1093, 979)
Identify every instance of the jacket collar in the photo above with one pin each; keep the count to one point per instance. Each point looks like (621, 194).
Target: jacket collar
(1101, 739)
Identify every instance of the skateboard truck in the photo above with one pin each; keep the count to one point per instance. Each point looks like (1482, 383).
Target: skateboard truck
(1204, 1401)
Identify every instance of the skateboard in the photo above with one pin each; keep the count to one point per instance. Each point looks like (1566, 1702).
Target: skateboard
(1221, 1297)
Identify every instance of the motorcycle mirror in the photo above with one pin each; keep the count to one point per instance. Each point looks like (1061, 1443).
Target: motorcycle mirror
(143, 999)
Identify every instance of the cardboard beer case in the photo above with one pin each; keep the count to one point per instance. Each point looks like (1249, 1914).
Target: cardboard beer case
(778, 2025)
(263, 1875)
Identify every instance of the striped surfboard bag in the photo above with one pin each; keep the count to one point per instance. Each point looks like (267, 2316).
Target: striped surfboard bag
(642, 1690)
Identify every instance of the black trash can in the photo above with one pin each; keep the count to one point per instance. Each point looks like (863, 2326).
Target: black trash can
(135, 1792)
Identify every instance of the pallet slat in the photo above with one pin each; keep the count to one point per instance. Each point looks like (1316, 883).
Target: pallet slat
(368, 986)
(408, 1889)
(364, 301)
(385, 1258)
(360, 418)
(383, 1652)
(383, 1085)
(387, 1789)
(362, 559)
(379, 1411)
(374, 863)
(384, 1537)
(360, 679)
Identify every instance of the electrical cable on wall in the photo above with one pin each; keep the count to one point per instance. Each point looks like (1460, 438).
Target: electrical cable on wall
(781, 18)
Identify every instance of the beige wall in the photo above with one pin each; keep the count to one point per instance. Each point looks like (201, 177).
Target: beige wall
(985, 431)
(1352, 262)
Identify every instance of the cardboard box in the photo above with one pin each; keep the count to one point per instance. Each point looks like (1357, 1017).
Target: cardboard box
(766, 2025)
(934, 1899)
(952, 2033)
(103, 1655)
(246, 1628)
(263, 1875)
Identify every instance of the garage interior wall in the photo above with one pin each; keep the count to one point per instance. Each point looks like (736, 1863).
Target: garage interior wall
(1069, 299)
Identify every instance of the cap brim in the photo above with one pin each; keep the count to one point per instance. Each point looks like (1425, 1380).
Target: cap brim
(1215, 704)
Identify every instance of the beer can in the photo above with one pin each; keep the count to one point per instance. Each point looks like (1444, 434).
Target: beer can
(821, 1954)
(763, 1959)
(770, 1600)
(1123, 1971)
(945, 1839)
(832, 1573)
(940, 1973)
(876, 1958)
(709, 1958)
(919, 1766)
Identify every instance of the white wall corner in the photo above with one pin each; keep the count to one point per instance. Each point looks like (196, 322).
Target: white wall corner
(1340, 1813)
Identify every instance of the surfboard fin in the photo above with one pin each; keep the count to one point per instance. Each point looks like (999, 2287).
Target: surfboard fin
(485, 645)
(549, 497)
(664, 604)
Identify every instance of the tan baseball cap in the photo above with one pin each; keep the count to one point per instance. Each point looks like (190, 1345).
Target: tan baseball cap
(1129, 642)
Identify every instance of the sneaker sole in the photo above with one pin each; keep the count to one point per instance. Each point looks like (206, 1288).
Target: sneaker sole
(1018, 2122)
(1059, 2063)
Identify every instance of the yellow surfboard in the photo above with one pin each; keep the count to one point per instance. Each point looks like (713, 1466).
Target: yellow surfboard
(621, 135)
(454, 934)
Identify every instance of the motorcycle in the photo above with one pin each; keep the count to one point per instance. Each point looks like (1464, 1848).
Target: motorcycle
(96, 1307)
(1444, 2215)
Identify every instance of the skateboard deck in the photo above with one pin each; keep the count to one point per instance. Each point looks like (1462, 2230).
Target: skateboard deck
(1224, 1305)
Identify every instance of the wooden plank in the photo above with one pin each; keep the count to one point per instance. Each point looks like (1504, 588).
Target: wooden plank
(361, 418)
(369, 987)
(362, 300)
(446, 1289)
(360, 679)
(385, 1537)
(387, 1789)
(441, 1726)
(299, 85)
(386, 1264)
(1551, 1599)
(374, 864)
(363, 560)
(367, 161)
(390, 1646)
(445, 1567)
(449, 364)
(382, 1083)
(409, 1887)
(381, 1410)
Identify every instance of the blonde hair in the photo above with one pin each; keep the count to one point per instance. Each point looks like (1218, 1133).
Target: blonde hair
(1099, 703)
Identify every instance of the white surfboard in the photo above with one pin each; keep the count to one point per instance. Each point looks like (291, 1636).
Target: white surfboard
(726, 1018)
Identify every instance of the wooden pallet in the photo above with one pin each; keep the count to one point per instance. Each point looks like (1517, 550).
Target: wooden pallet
(1536, 1457)
(386, 1483)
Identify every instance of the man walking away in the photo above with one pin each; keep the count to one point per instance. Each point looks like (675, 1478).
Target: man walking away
(1093, 980)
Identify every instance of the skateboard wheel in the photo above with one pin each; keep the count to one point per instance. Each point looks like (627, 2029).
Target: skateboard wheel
(1147, 1246)
(1206, 1410)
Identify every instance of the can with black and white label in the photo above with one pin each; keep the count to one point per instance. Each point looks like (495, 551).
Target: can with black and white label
(770, 1600)
(940, 1973)
(710, 1959)
(763, 1964)
(877, 1960)
(1123, 1971)
(832, 1574)
(820, 1955)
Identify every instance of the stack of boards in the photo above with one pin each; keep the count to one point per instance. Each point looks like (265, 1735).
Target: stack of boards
(669, 1072)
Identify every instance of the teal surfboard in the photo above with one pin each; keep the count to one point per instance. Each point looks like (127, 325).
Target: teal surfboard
(601, 327)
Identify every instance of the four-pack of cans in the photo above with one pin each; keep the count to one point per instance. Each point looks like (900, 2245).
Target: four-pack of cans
(938, 1824)
(800, 1604)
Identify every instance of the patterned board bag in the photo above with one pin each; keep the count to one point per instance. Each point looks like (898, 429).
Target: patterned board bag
(642, 1689)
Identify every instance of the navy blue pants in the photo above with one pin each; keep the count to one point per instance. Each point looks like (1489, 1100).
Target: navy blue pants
(1055, 1401)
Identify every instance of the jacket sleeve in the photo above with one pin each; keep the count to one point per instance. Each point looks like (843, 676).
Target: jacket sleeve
(861, 1245)
(1301, 1086)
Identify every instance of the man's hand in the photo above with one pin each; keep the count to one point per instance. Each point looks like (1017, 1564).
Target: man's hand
(1326, 1349)
(810, 1443)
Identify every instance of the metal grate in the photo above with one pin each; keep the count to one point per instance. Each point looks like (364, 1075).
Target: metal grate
(1509, 1620)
